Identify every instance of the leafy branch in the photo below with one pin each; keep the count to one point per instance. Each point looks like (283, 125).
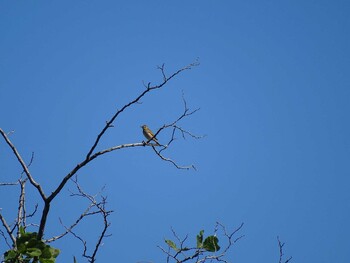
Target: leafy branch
(206, 249)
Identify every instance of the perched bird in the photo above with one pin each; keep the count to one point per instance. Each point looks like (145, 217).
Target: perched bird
(149, 134)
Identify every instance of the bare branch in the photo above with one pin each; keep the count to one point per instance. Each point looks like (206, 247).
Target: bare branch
(8, 184)
(106, 224)
(70, 228)
(24, 166)
(81, 240)
(173, 162)
(162, 69)
(136, 100)
(30, 162)
(5, 238)
(227, 235)
(175, 128)
(8, 229)
(34, 211)
(71, 174)
(21, 206)
(93, 203)
(280, 246)
(90, 156)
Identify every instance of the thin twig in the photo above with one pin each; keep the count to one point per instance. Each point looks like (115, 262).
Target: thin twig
(172, 161)
(8, 184)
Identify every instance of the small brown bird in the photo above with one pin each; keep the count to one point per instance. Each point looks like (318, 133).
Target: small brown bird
(149, 134)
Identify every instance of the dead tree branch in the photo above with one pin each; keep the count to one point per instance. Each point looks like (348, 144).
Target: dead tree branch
(100, 207)
(280, 246)
(90, 156)
(21, 211)
(175, 127)
(8, 229)
(8, 184)
(95, 207)
(5, 238)
(24, 166)
(137, 99)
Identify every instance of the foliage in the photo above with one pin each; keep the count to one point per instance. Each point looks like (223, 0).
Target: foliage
(206, 248)
(30, 249)
(210, 243)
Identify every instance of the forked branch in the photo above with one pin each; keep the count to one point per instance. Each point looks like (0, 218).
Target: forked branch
(23, 164)
(148, 89)
(95, 207)
(280, 246)
(204, 251)
(90, 156)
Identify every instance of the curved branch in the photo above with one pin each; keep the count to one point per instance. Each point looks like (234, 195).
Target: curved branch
(172, 161)
(136, 100)
(90, 156)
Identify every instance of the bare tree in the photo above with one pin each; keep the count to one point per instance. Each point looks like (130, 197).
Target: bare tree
(97, 204)
(32, 247)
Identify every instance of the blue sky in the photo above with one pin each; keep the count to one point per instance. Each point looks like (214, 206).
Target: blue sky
(273, 88)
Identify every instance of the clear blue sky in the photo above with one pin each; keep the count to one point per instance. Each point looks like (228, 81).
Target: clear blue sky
(274, 91)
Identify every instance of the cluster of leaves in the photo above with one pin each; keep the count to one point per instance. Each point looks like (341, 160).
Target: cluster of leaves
(207, 249)
(30, 249)
(209, 244)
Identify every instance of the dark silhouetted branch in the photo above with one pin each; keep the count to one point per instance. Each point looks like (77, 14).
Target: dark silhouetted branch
(280, 246)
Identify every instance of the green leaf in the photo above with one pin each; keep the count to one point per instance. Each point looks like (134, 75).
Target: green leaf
(49, 254)
(29, 247)
(25, 237)
(33, 252)
(75, 260)
(200, 239)
(47, 260)
(46, 253)
(54, 252)
(10, 255)
(21, 248)
(35, 243)
(211, 244)
(171, 244)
